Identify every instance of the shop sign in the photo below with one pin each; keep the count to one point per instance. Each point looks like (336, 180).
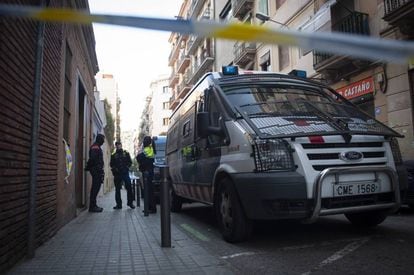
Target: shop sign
(356, 89)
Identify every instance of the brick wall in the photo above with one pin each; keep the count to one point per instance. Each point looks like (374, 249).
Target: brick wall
(17, 68)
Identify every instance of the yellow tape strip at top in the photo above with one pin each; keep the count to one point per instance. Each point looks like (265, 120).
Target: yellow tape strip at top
(247, 32)
(65, 15)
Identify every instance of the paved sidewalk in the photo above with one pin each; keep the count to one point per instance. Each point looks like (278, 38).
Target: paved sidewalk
(120, 241)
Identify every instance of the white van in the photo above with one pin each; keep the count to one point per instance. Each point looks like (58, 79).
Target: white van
(269, 146)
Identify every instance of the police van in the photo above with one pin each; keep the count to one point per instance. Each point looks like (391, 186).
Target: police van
(265, 146)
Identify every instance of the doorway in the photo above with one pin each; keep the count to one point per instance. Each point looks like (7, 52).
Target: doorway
(80, 155)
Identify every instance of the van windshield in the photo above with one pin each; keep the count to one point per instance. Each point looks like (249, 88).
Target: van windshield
(276, 110)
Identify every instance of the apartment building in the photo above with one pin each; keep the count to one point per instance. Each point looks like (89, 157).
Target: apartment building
(191, 56)
(159, 106)
(108, 88)
(66, 84)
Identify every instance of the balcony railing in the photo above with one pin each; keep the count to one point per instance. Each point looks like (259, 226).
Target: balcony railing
(393, 5)
(400, 13)
(183, 62)
(241, 7)
(173, 78)
(193, 43)
(202, 66)
(356, 23)
(195, 8)
(206, 14)
(244, 52)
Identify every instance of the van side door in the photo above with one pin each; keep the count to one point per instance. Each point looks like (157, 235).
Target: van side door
(208, 150)
(186, 149)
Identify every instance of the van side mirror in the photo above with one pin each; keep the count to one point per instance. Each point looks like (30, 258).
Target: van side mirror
(203, 126)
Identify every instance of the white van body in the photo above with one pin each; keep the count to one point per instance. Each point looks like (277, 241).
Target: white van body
(271, 146)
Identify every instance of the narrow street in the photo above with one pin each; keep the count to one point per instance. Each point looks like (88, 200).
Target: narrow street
(125, 241)
(330, 246)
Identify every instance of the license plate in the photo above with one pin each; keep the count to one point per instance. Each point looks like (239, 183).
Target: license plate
(340, 190)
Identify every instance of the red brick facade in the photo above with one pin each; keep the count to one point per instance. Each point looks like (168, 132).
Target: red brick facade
(55, 205)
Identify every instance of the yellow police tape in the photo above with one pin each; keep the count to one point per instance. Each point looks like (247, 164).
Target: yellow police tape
(358, 46)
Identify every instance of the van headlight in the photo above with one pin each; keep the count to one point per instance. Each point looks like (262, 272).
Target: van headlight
(272, 154)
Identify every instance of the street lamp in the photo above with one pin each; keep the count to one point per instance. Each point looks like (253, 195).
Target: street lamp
(265, 18)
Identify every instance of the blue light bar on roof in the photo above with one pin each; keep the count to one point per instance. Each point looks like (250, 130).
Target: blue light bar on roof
(230, 70)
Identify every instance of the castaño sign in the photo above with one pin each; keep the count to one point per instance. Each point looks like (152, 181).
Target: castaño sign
(359, 88)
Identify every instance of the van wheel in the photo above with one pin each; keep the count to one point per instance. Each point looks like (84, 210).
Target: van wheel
(367, 219)
(234, 225)
(176, 202)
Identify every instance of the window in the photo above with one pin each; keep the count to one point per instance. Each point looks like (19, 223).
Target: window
(214, 121)
(165, 90)
(265, 62)
(284, 59)
(263, 7)
(279, 3)
(67, 89)
(165, 121)
(186, 128)
(226, 13)
(166, 105)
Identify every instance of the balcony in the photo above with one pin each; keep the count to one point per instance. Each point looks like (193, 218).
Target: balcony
(195, 8)
(241, 8)
(180, 44)
(244, 53)
(183, 62)
(400, 13)
(201, 67)
(193, 43)
(334, 66)
(174, 77)
(184, 86)
(206, 15)
(174, 101)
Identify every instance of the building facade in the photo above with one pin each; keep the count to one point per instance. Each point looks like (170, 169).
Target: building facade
(191, 56)
(66, 87)
(159, 106)
(108, 89)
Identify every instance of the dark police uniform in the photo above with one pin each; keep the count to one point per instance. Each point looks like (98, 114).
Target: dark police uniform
(120, 163)
(95, 166)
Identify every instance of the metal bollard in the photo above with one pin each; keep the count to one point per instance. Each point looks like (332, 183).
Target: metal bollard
(133, 189)
(146, 194)
(138, 193)
(165, 208)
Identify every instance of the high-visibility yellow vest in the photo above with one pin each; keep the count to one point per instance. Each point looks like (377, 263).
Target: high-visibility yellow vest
(149, 152)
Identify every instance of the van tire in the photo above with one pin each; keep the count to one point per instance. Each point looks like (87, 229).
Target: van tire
(367, 219)
(233, 223)
(176, 202)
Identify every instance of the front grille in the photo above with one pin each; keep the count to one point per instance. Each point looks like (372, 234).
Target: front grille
(340, 145)
(336, 155)
(322, 167)
(329, 154)
(349, 201)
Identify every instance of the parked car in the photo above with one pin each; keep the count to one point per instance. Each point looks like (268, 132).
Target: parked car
(266, 146)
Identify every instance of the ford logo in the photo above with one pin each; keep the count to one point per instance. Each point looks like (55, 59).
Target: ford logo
(351, 156)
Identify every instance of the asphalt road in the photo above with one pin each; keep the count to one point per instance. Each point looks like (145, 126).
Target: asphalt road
(330, 246)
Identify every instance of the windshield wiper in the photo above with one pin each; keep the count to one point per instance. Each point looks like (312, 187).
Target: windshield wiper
(336, 123)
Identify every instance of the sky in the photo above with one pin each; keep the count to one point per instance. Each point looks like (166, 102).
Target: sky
(135, 57)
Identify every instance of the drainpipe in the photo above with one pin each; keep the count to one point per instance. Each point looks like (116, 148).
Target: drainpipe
(31, 245)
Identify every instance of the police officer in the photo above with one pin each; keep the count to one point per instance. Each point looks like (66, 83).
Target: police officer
(95, 166)
(120, 163)
(146, 166)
